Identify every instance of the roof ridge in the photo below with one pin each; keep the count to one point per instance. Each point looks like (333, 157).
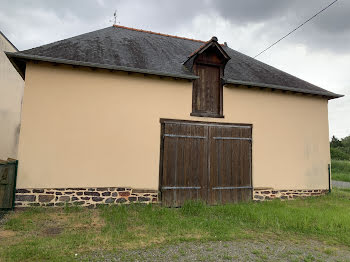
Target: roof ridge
(155, 33)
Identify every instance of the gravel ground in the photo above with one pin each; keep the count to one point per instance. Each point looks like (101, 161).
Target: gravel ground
(340, 184)
(248, 250)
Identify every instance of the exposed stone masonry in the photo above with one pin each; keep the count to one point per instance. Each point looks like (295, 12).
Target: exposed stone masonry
(269, 194)
(90, 197)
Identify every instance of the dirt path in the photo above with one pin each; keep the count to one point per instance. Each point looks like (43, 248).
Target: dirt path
(340, 184)
(248, 250)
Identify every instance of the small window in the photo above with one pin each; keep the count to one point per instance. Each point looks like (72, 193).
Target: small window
(208, 63)
(207, 91)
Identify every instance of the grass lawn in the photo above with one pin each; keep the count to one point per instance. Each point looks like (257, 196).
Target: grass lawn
(51, 234)
(341, 170)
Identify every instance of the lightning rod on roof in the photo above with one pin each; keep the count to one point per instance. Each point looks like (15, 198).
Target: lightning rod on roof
(115, 15)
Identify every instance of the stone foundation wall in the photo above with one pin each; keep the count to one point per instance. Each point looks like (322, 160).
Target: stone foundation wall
(90, 197)
(269, 194)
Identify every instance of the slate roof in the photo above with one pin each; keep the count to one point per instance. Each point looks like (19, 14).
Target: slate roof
(134, 50)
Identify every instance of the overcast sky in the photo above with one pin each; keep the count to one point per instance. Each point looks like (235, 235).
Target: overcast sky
(319, 52)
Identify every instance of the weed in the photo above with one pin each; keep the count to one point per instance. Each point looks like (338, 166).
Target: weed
(226, 257)
(39, 236)
(256, 252)
(309, 258)
(341, 170)
(193, 208)
(329, 251)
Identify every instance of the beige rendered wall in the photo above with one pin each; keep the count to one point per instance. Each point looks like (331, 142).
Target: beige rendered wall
(84, 128)
(11, 92)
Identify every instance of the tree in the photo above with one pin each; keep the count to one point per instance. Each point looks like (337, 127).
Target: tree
(346, 141)
(335, 142)
(346, 144)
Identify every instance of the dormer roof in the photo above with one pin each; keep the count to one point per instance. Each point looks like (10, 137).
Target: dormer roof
(211, 44)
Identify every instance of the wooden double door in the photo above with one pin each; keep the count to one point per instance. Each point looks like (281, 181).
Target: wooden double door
(205, 161)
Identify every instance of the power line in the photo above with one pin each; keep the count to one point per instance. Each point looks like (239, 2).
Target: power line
(296, 28)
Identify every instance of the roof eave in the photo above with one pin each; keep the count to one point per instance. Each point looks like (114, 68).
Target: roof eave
(328, 95)
(16, 64)
(14, 57)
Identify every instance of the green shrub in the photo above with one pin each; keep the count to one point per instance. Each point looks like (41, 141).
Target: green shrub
(341, 170)
(341, 166)
(339, 154)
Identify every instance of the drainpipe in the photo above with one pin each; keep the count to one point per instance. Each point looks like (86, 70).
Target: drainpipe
(329, 178)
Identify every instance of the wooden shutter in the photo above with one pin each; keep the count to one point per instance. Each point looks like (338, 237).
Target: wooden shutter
(207, 89)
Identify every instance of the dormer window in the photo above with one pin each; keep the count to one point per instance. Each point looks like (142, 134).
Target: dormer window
(208, 63)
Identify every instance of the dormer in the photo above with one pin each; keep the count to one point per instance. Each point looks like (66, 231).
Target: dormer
(208, 62)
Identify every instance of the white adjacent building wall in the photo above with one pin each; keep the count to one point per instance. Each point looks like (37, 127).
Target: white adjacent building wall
(11, 93)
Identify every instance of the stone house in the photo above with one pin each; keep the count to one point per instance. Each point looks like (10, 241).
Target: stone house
(121, 115)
